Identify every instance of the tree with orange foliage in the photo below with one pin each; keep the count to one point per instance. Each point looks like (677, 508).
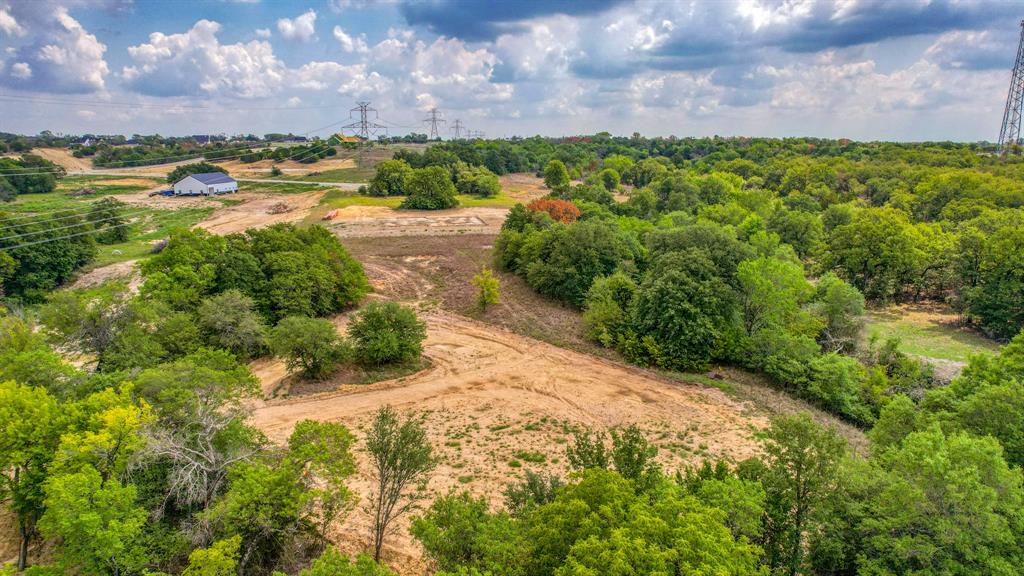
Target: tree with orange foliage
(562, 211)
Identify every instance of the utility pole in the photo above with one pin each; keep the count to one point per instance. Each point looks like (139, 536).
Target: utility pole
(364, 127)
(457, 127)
(434, 119)
(1009, 132)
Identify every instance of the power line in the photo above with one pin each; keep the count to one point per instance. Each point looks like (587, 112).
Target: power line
(1009, 131)
(457, 127)
(434, 119)
(36, 242)
(76, 225)
(364, 126)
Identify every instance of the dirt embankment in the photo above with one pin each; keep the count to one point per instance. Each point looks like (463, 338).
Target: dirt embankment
(63, 158)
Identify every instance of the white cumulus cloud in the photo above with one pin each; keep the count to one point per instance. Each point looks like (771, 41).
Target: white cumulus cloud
(301, 28)
(195, 62)
(350, 44)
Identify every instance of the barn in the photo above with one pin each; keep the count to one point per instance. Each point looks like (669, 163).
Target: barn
(204, 184)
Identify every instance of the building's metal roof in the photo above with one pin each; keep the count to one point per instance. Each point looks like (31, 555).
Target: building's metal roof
(212, 178)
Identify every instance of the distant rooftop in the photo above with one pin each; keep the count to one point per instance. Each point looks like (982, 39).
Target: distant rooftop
(212, 178)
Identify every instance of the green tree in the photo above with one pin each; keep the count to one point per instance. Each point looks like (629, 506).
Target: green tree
(772, 294)
(605, 313)
(386, 332)
(878, 252)
(841, 309)
(478, 181)
(334, 563)
(400, 455)
(459, 531)
(610, 179)
(230, 321)
(430, 188)
(195, 168)
(487, 286)
(945, 505)
(106, 218)
(556, 176)
(98, 522)
(997, 299)
(800, 470)
(682, 313)
(391, 179)
(309, 346)
(220, 559)
(30, 430)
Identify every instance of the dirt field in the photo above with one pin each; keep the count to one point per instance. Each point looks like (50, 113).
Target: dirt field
(523, 187)
(119, 271)
(492, 398)
(376, 221)
(63, 157)
(259, 210)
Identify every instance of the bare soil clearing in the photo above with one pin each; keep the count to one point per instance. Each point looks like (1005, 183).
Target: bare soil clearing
(259, 210)
(63, 158)
(118, 271)
(523, 187)
(491, 396)
(377, 221)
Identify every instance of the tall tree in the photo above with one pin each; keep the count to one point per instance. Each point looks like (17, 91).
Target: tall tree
(401, 455)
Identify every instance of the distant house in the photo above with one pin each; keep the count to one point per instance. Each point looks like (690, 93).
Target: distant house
(207, 183)
(295, 139)
(338, 139)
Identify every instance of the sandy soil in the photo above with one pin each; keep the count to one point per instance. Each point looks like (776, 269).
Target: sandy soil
(119, 270)
(259, 210)
(491, 395)
(290, 166)
(373, 221)
(152, 184)
(63, 157)
(523, 186)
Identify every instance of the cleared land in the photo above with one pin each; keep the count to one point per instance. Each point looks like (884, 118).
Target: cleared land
(505, 390)
(930, 331)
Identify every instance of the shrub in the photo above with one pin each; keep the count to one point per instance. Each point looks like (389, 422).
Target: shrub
(385, 332)
(310, 346)
(608, 300)
(559, 210)
(391, 179)
(556, 176)
(488, 286)
(610, 179)
(478, 181)
(430, 188)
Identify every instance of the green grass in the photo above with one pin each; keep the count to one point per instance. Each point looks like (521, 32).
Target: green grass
(277, 187)
(928, 333)
(337, 198)
(60, 200)
(152, 226)
(358, 175)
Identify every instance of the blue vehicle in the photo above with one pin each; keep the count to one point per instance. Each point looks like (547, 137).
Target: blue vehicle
(162, 193)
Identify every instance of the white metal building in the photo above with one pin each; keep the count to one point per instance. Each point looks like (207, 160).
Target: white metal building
(207, 183)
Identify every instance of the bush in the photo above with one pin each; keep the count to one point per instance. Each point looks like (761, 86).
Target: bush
(310, 346)
(478, 181)
(488, 286)
(610, 179)
(391, 179)
(430, 188)
(605, 316)
(385, 332)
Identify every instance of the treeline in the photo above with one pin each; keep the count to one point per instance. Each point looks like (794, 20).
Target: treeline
(428, 185)
(28, 174)
(696, 268)
(39, 253)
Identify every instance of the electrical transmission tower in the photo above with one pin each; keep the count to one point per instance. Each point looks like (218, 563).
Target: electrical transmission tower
(1009, 132)
(457, 127)
(364, 127)
(434, 119)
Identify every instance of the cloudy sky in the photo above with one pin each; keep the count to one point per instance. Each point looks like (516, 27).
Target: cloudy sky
(864, 69)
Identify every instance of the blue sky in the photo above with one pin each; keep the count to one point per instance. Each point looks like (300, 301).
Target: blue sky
(864, 69)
